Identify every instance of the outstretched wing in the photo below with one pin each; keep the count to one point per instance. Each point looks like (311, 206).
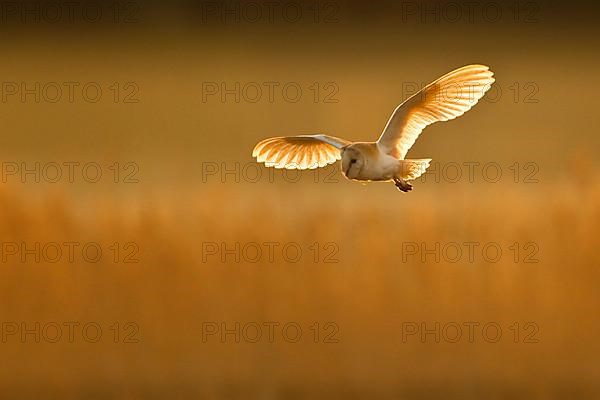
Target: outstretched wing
(447, 98)
(299, 152)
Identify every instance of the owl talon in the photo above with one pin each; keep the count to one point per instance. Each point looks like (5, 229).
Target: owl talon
(403, 185)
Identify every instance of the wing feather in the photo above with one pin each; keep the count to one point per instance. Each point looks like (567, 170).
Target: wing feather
(444, 99)
(299, 152)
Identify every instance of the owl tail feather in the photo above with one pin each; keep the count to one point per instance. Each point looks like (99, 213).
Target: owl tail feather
(412, 169)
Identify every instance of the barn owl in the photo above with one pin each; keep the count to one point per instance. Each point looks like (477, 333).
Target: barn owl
(384, 160)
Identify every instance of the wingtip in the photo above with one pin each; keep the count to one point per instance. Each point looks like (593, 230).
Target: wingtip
(477, 65)
(481, 67)
(258, 147)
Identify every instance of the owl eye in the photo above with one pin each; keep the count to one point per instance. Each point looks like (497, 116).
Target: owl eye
(352, 161)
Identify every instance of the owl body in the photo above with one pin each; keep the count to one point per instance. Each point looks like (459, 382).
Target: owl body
(364, 161)
(444, 99)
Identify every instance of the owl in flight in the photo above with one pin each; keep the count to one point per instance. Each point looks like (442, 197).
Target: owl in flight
(444, 99)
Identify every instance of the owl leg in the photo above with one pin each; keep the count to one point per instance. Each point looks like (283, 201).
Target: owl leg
(402, 185)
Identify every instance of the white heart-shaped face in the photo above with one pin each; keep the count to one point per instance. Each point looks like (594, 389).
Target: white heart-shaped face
(353, 161)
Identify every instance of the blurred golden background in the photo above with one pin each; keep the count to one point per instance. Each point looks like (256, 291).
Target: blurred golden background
(128, 129)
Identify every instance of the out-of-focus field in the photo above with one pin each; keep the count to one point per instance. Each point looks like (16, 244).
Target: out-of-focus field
(157, 315)
(369, 293)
